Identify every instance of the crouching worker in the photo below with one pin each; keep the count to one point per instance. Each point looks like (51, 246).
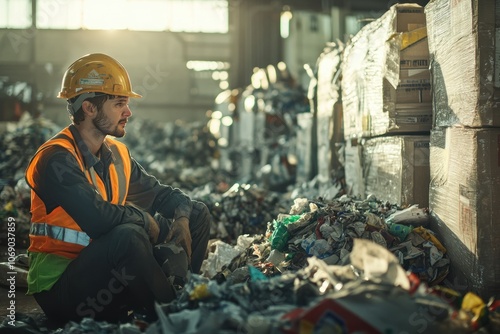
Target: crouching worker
(93, 208)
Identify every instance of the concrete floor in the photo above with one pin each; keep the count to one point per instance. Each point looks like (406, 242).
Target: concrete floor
(24, 303)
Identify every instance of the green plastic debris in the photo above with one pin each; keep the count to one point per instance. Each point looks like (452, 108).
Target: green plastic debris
(400, 231)
(256, 274)
(280, 236)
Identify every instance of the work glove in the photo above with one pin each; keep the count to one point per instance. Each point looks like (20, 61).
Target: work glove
(164, 228)
(176, 231)
(181, 235)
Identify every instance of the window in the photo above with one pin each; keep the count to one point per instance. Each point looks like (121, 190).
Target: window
(59, 14)
(198, 16)
(208, 78)
(209, 16)
(15, 14)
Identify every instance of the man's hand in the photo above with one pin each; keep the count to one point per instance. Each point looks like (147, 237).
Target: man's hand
(154, 229)
(181, 235)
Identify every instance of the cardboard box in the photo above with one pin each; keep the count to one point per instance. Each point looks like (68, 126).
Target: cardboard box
(464, 66)
(396, 169)
(465, 205)
(404, 119)
(414, 76)
(385, 75)
(408, 17)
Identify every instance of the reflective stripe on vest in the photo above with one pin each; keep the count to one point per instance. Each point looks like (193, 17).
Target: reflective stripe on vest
(60, 233)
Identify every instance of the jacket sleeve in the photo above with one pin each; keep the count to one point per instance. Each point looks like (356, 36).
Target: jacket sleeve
(146, 192)
(61, 182)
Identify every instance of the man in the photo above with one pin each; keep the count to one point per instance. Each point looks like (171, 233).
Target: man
(96, 213)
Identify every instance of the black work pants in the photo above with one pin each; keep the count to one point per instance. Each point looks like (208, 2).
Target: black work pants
(117, 273)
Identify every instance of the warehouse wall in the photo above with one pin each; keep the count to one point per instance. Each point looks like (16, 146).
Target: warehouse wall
(156, 62)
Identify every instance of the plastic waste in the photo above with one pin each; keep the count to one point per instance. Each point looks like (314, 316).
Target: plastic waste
(412, 215)
(280, 235)
(399, 230)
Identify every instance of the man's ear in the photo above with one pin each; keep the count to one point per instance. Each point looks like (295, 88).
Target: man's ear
(89, 109)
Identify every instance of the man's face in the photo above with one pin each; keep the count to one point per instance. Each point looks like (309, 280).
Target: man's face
(113, 116)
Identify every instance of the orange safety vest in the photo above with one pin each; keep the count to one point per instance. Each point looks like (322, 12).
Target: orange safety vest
(56, 232)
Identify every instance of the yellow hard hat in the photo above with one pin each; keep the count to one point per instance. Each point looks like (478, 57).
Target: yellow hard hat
(96, 73)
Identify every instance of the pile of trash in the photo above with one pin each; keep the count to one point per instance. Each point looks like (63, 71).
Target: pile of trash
(15, 204)
(344, 265)
(257, 128)
(372, 293)
(17, 145)
(327, 230)
(241, 209)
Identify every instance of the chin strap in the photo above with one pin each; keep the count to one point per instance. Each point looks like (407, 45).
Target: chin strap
(77, 104)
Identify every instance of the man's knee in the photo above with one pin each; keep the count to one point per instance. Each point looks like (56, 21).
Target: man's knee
(128, 235)
(200, 215)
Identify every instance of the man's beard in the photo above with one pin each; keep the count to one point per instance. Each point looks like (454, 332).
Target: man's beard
(103, 124)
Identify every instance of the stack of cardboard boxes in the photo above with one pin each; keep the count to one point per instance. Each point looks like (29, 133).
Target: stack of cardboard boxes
(386, 100)
(465, 139)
